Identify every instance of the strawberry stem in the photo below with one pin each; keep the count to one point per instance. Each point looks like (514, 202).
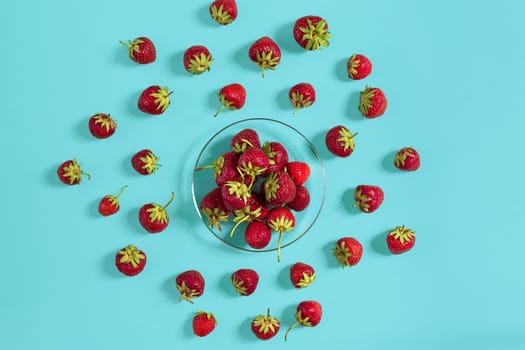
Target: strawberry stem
(219, 111)
(204, 167)
(83, 173)
(262, 70)
(169, 202)
(244, 219)
(289, 329)
(279, 247)
(121, 190)
(296, 110)
(125, 44)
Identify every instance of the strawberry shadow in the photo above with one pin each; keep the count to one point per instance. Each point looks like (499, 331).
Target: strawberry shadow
(203, 15)
(107, 266)
(284, 278)
(132, 107)
(348, 202)
(170, 289)
(51, 177)
(120, 55)
(187, 331)
(378, 244)
(388, 162)
(245, 331)
(283, 36)
(93, 209)
(331, 261)
(319, 141)
(214, 103)
(242, 58)
(225, 285)
(283, 101)
(177, 64)
(82, 130)
(340, 71)
(288, 318)
(127, 168)
(352, 109)
(133, 221)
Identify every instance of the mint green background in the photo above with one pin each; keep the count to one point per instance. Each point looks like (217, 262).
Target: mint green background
(453, 73)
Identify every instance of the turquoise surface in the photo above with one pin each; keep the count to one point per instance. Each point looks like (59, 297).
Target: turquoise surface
(453, 74)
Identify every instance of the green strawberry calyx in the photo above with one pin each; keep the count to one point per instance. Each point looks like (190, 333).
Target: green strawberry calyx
(361, 200)
(342, 254)
(352, 67)
(267, 60)
(73, 172)
(105, 121)
(217, 164)
(150, 162)
(208, 315)
(162, 98)
(200, 63)
(281, 224)
(133, 46)
(315, 36)
(267, 148)
(365, 100)
(158, 213)
(402, 234)
(186, 293)
(114, 199)
(225, 103)
(220, 15)
(346, 139)
(271, 186)
(238, 284)
(215, 217)
(131, 255)
(303, 321)
(266, 323)
(299, 101)
(402, 156)
(306, 280)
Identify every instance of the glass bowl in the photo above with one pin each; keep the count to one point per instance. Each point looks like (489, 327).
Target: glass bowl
(299, 148)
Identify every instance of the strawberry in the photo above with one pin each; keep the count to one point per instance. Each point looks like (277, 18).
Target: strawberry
(265, 326)
(301, 275)
(407, 159)
(203, 323)
(214, 209)
(278, 188)
(145, 162)
(190, 284)
(225, 168)
(308, 314)
(348, 251)
(368, 198)
(231, 96)
(358, 67)
(400, 240)
(298, 171)
(301, 95)
(301, 199)
(235, 195)
(265, 53)
(257, 235)
(245, 281)
(154, 217)
(280, 220)
(372, 103)
(277, 156)
(244, 139)
(130, 260)
(223, 11)
(69, 172)
(253, 162)
(255, 209)
(340, 141)
(197, 59)
(102, 126)
(154, 99)
(141, 50)
(109, 204)
(311, 32)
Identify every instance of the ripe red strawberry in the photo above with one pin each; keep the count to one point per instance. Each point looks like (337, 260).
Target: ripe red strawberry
(257, 235)
(231, 96)
(400, 240)
(340, 141)
(197, 59)
(203, 323)
(301, 275)
(145, 162)
(358, 67)
(130, 260)
(309, 314)
(372, 103)
(265, 53)
(109, 204)
(154, 217)
(311, 32)
(245, 281)
(301, 199)
(69, 172)
(223, 11)
(225, 168)
(265, 326)
(298, 171)
(278, 188)
(255, 209)
(235, 195)
(154, 99)
(190, 284)
(368, 198)
(244, 139)
(348, 251)
(301, 95)
(141, 50)
(280, 220)
(253, 162)
(277, 156)
(407, 159)
(102, 126)
(214, 209)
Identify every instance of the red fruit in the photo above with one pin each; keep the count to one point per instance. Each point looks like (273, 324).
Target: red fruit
(400, 240)
(257, 235)
(358, 67)
(372, 103)
(69, 172)
(279, 189)
(102, 126)
(141, 50)
(223, 11)
(145, 162)
(340, 141)
(214, 209)
(255, 209)
(265, 53)
(301, 200)
(277, 156)
(244, 139)
(197, 59)
(311, 32)
(109, 205)
(309, 314)
(368, 198)
(190, 284)
(407, 159)
(203, 323)
(154, 99)
(225, 168)
(280, 220)
(301, 95)
(130, 260)
(154, 217)
(298, 171)
(348, 251)
(235, 195)
(265, 326)
(301, 275)
(231, 96)
(253, 162)
(245, 281)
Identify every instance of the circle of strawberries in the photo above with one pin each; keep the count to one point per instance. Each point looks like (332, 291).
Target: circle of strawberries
(311, 33)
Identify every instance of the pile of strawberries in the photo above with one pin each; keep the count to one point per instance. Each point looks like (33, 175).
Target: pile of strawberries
(256, 183)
